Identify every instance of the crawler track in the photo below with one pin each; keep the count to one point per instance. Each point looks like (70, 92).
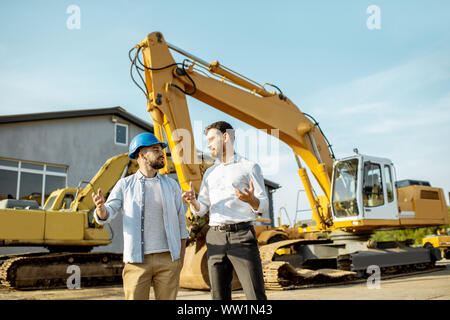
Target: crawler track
(50, 270)
(281, 275)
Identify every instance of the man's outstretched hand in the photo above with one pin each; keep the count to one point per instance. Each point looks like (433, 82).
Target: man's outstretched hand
(99, 202)
(247, 195)
(189, 197)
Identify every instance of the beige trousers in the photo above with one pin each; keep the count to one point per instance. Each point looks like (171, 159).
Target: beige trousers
(158, 269)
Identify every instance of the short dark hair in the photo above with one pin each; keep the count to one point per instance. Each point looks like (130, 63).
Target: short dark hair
(223, 127)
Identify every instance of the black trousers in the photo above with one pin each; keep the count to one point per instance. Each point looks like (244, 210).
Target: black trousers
(238, 250)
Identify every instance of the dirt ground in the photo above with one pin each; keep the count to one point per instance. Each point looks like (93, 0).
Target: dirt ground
(426, 286)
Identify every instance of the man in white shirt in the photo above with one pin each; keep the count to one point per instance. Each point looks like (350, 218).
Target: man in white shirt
(233, 192)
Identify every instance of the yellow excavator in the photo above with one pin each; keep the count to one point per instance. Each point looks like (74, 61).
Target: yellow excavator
(359, 193)
(65, 227)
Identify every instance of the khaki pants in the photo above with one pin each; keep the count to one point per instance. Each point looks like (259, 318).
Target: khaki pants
(158, 269)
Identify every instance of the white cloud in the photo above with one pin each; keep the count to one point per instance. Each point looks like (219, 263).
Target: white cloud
(365, 108)
(383, 87)
(429, 116)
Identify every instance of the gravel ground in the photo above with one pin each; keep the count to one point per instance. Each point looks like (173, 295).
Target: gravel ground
(426, 286)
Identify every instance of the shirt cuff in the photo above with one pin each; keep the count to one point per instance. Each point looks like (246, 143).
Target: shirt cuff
(195, 212)
(260, 207)
(97, 218)
(185, 235)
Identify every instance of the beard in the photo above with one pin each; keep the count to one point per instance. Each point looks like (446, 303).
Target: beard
(157, 163)
(216, 153)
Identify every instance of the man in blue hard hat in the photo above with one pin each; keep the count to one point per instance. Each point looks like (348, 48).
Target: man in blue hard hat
(154, 223)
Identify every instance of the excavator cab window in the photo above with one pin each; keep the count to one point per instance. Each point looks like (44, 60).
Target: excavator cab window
(389, 183)
(68, 198)
(372, 185)
(344, 190)
(49, 203)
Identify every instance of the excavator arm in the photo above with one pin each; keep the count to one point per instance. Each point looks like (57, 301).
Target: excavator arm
(105, 179)
(168, 83)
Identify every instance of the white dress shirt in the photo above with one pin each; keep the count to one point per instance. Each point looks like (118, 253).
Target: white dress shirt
(217, 192)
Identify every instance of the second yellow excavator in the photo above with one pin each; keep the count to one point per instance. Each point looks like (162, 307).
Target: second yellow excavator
(65, 227)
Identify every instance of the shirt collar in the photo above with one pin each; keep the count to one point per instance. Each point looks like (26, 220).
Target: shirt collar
(140, 176)
(235, 158)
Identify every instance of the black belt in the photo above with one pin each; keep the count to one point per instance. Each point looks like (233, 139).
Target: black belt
(232, 227)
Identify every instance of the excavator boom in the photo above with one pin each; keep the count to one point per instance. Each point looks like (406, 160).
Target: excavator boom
(167, 84)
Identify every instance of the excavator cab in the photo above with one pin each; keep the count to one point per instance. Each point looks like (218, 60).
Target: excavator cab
(60, 199)
(363, 189)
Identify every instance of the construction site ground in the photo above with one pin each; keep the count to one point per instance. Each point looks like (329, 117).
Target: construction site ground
(433, 285)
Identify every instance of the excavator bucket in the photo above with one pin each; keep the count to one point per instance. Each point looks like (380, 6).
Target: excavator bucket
(194, 274)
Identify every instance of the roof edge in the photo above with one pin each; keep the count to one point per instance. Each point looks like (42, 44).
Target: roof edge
(119, 111)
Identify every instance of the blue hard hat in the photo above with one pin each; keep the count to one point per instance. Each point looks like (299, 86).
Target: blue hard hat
(143, 140)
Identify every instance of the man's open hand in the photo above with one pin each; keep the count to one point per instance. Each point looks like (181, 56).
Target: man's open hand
(99, 202)
(189, 197)
(98, 198)
(247, 195)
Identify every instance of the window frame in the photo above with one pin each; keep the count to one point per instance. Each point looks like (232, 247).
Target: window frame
(126, 134)
(44, 172)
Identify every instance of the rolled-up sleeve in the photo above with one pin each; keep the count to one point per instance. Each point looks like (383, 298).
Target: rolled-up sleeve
(113, 204)
(260, 189)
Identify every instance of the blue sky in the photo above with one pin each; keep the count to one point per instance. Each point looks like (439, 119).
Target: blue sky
(384, 91)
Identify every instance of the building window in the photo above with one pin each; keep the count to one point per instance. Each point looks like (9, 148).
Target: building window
(121, 134)
(30, 186)
(30, 181)
(8, 184)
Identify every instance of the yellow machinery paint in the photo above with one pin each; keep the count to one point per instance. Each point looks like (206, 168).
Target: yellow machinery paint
(440, 240)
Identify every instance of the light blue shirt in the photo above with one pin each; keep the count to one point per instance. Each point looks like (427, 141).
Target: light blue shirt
(128, 196)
